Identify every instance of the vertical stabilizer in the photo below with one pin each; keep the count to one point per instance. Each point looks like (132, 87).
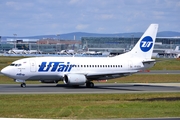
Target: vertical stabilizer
(144, 47)
(177, 48)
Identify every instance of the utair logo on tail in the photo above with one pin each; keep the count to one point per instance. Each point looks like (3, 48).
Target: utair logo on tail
(146, 44)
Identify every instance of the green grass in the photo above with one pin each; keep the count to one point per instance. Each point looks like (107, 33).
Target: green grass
(167, 64)
(94, 106)
(5, 61)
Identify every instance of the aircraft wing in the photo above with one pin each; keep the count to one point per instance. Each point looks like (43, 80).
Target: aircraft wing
(107, 75)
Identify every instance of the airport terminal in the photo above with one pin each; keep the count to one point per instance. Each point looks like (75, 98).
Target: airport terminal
(164, 46)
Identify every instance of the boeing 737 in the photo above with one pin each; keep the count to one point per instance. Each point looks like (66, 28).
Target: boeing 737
(77, 71)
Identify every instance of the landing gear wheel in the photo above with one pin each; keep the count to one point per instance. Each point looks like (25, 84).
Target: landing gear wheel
(89, 84)
(23, 85)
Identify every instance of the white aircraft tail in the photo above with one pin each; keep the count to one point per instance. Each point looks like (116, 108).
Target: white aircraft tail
(144, 47)
(177, 48)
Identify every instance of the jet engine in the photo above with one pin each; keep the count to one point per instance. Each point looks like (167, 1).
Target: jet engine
(75, 79)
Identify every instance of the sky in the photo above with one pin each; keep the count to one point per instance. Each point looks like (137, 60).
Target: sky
(48, 17)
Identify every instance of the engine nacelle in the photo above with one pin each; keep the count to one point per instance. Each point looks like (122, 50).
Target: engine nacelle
(75, 79)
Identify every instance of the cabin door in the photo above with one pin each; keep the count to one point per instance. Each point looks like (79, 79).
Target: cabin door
(32, 66)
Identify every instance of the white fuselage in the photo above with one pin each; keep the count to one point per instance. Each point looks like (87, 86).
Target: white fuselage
(54, 68)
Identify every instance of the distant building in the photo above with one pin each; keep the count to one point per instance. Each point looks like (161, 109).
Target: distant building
(44, 45)
(115, 45)
(122, 44)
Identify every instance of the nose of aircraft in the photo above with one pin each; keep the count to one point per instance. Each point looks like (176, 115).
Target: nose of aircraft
(5, 71)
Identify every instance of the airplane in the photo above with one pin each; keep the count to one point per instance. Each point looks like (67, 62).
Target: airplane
(170, 53)
(16, 51)
(76, 71)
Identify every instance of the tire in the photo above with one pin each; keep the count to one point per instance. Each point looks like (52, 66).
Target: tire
(89, 84)
(23, 85)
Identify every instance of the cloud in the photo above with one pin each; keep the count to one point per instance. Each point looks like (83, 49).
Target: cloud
(18, 5)
(81, 26)
(44, 16)
(178, 4)
(73, 1)
(100, 29)
(158, 14)
(106, 16)
(77, 2)
(54, 25)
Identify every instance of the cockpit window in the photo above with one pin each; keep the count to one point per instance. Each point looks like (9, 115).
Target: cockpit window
(12, 65)
(17, 65)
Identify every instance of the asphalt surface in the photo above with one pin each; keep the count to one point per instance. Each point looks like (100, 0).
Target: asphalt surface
(99, 88)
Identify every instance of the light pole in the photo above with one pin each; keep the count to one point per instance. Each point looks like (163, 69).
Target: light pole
(57, 36)
(132, 39)
(15, 40)
(0, 42)
(38, 46)
(58, 42)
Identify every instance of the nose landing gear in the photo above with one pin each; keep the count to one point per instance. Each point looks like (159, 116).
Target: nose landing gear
(23, 85)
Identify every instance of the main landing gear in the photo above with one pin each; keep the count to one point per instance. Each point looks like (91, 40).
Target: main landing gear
(89, 84)
(23, 85)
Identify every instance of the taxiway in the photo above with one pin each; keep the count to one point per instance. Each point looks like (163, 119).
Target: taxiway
(99, 88)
